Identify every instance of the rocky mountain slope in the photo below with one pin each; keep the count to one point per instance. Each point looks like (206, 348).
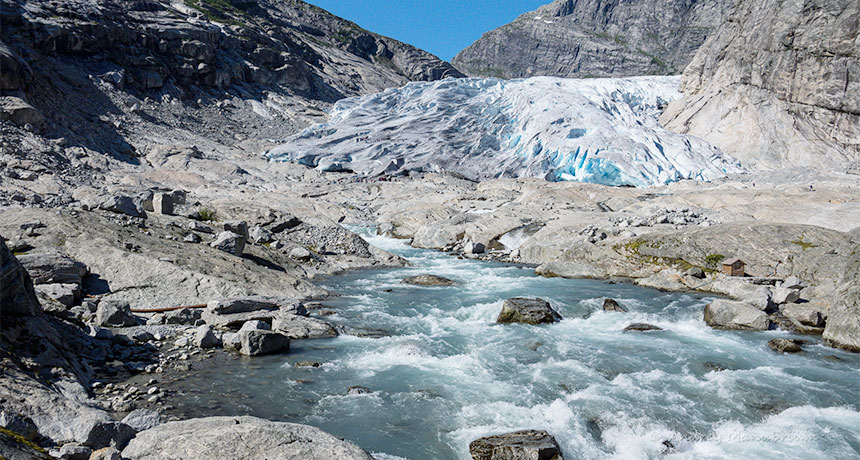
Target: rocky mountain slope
(104, 81)
(596, 38)
(778, 84)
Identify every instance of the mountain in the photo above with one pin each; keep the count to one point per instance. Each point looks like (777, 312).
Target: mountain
(596, 38)
(118, 77)
(778, 84)
(594, 130)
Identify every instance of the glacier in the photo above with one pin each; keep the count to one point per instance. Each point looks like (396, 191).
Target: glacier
(591, 130)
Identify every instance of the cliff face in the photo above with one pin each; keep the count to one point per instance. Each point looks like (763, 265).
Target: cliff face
(778, 84)
(596, 38)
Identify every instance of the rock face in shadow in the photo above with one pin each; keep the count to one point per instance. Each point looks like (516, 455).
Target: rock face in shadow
(519, 445)
(234, 438)
(596, 38)
(17, 296)
(778, 84)
(528, 311)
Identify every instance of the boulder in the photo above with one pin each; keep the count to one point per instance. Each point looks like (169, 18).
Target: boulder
(529, 311)
(74, 451)
(256, 343)
(804, 314)
(301, 327)
(697, 273)
(729, 314)
(109, 434)
(642, 327)
(53, 267)
(783, 295)
(184, 316)
(843, 321)
(142, 419)
(612, 305)
(239, 227)
(474, 248)
(115, 313)
(255, 325)
(358, 390)
(20, 112)
(761, 298)
(785, 345)
(254, 303)
(121, 204)
(65, 294)
(229, 242)
(428, 280)
(519, 445)
(300, 254)
(204, 337)
(260, 235)
(107, 453)
(17, 296)
(231, 341)
(234, 438)
(793, 282)
(163, 203)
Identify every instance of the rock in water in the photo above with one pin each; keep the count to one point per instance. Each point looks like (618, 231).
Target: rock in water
(429, 280)
(115, 313)
(235, 438)
(728, 314)
(785, 345)
(300, 327)
(595, 130)
(612, 305)
(529, 311)
(642, 327)
(17, 296)
(519, 445)
(259, 342)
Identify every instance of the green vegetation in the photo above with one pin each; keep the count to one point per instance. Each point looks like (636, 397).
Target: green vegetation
(217, 10)
(714, 259)
(17, 438)
(803, 244)
(207, 215)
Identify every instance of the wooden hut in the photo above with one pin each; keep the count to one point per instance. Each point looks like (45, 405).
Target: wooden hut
(733, 267)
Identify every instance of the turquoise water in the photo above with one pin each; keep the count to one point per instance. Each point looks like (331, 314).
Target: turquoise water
(447, 374)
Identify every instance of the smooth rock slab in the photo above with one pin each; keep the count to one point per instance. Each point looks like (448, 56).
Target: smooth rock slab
(519, 445)
(239, 438)
(428, 280)
(528, 311)
(729, 314)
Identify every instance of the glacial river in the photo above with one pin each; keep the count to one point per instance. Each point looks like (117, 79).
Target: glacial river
(448, 374)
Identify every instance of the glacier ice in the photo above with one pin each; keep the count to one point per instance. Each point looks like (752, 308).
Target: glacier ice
(591, 130)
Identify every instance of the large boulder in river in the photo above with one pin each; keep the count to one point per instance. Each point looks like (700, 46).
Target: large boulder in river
(529, 311)
(259, 342)
(239, 438)
(17, 296)
(843, 322)
(300, 327)
(613, 305)
(519, 445)
(53, 267)
(428, 280)
(233, 313)
(729, 314)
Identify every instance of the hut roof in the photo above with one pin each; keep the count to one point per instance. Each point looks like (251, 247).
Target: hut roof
(733, 261)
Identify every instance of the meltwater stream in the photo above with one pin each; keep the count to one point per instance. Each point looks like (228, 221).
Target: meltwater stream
(448, 374)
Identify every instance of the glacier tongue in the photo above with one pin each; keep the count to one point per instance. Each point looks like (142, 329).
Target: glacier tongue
(593, 130)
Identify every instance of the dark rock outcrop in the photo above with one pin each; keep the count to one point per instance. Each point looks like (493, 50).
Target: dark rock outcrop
(778, 84)
(596, 38)
(528, 311)
(429, 280)
(17, 296)
(613, 305)
(519, 445)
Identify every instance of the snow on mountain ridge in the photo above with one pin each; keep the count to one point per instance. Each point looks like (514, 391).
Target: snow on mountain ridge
(594, 130)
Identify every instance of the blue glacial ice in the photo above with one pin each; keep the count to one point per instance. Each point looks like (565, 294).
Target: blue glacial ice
(593, 130)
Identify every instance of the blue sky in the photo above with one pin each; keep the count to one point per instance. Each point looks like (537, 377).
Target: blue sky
(442, 27)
